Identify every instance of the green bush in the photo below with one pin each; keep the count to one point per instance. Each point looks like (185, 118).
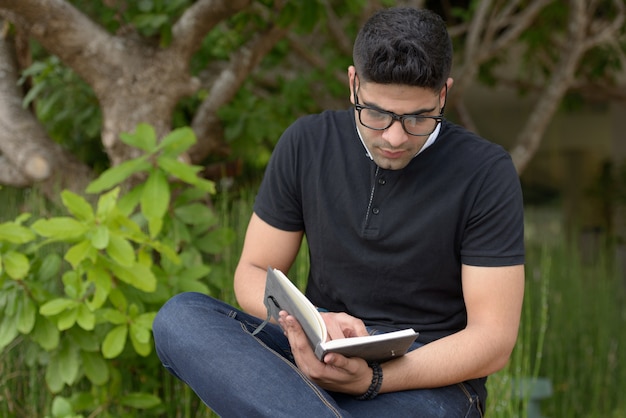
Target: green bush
(78, 293)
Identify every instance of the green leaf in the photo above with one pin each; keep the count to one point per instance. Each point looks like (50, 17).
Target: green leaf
(27, 314)
(137, 275)
(85, 318)
(16, 265)
(194, 213)
(140, 333)
(46, 334)
(140, 338)
(195, 272)
(114, 342)
(61, 228)
(61, 407)
(143, 138)
(177, 141)
(85, 401)
(22, 217)
(73, 285)
(8, 331)
(95, 368)
(167, 251)
(205, 185)
(106, 204)
(17, 234)
(113, 316)
(116, 175)
(84, 340)
(77, 205)
(100, 237)
(53, 375)
(154, 226)
(77, 253)
(139, 400)
(56, 306)
(145, 320)
(155, 198)
(69, 362)
(129, 201)
(102, 283)
(121, 251)
(214, 241)
(118, 299)
(185, 172)
(50, 267)
(67, 318)
(193, 286)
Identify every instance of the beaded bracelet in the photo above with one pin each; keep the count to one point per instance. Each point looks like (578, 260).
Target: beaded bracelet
(377, 382)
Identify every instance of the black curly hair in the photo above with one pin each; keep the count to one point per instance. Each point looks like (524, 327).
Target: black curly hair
(406, 46)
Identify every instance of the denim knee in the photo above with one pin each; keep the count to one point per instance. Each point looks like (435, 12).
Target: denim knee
(180, 309)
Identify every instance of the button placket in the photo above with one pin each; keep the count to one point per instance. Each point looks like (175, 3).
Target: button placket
(381, 182)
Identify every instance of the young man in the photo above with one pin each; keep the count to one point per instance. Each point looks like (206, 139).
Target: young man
(411, 221)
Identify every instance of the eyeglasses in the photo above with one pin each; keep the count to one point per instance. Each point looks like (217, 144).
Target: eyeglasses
(379, 120)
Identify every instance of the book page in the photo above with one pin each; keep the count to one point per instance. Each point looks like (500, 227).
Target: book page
(304, 311)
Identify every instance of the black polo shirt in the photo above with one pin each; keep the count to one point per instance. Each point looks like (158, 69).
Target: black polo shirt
(387, 245)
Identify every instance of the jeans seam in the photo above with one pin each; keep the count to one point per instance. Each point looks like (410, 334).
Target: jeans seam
(297, 370)
(472, 400)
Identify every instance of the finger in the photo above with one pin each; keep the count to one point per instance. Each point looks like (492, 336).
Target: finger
(347, 365)
(295, 334)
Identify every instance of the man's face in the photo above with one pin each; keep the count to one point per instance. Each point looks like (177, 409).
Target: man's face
(393, 148)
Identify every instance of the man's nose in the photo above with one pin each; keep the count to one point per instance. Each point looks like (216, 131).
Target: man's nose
(395, 135)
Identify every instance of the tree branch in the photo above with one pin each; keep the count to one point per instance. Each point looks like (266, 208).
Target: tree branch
(20, 132)
(603, 32)
(516, 26)
(28, 153)
(530, 137)
(205, 123)
(199, 19)
(65, 32)
(335, 28)
(313, 58)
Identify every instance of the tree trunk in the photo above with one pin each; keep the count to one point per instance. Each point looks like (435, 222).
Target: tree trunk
(28, 154)
(134, 81)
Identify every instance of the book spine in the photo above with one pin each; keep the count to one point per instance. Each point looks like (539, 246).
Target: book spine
(320, 352)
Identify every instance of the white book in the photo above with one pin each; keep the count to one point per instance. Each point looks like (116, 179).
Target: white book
(282, 294)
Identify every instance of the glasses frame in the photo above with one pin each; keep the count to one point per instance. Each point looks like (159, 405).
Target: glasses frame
(394, 116)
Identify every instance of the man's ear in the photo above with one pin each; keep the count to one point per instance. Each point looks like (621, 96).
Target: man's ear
(351, 75)
(449, 83)
(443, 94)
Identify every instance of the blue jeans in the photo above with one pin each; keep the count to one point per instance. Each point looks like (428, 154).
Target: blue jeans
(208, 345)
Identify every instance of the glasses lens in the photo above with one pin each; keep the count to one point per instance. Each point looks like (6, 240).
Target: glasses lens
(417, 125)
(374, 119)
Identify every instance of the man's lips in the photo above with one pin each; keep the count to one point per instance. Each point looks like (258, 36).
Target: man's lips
(392, 154)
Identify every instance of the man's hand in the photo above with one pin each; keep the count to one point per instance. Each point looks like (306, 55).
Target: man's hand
(342, 325)
(336, 372)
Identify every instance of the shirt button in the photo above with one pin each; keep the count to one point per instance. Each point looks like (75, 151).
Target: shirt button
(382, 181)
(375, 211)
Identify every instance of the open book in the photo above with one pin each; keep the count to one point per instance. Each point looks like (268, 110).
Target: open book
(282, 294)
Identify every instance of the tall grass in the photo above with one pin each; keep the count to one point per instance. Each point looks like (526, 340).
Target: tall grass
(573, 328)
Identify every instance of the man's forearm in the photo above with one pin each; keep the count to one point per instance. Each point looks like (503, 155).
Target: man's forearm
(250, 288)
(457, 358)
